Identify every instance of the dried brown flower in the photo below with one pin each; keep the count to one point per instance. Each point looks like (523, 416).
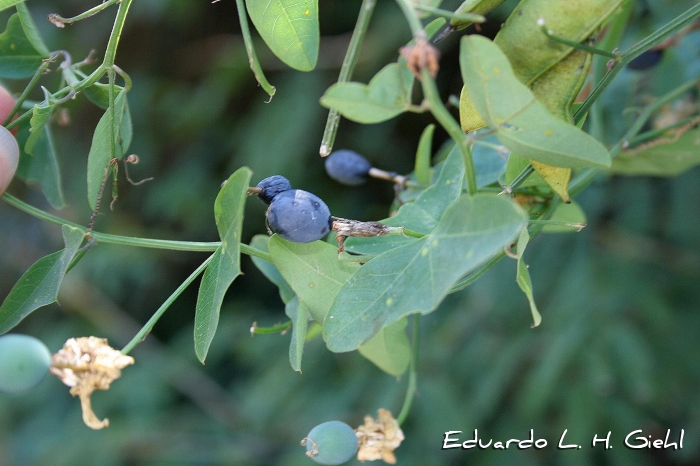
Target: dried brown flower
(379, 438)
(87, 364)
(421, 55)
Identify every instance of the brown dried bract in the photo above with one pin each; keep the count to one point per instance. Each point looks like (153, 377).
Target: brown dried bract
(379, 438)
(421, 55)
(87, 364)
(345, 228)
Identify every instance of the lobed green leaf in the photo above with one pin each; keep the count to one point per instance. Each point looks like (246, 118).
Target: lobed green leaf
(416, 277)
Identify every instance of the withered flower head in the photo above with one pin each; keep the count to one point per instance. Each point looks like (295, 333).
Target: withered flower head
(87, 364)
(421, 55)
(378, 439)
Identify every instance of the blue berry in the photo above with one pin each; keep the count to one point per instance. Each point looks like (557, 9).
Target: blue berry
(348, 167)
(646, 60)
(272, 186)
(332, 442)
(299, 216)
(24, 362)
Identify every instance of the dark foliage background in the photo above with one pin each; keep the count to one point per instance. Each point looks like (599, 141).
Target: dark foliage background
(617, 350)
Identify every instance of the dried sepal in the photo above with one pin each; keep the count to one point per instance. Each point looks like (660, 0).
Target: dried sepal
(87, 364)
(379, 438)
(422, 54)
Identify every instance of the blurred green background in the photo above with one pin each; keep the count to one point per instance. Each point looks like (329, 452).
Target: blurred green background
(617, 350)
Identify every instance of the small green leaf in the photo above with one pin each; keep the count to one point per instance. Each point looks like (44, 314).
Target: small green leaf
(389, 349)
(299, 315)
(18, 58)
(270, 270)
(41, 167)
(567, 213)
(226, 264)
(313, 271)
(662, 159)
(289, 28)
(40, 117)
(424, 174)
(489, 163)
(101, 149)
(523, 276)
(382, 99)
(39, 285)
(416, 277)
(422, 214)
(98, 94)
(31, 31)
(521, 122)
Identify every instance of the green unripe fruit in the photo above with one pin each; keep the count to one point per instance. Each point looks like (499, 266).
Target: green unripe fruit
(24, 362)
(331, 443)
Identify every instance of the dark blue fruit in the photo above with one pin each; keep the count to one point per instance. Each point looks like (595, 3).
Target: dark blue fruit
(299, 216)
(272, 186)
(646, 60)
(332, 442)
(348, 167)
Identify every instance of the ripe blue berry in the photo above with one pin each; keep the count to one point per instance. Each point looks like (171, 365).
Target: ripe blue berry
(24, 362)
(272, 186)
(348, 167)
(646, 60)
(299, 216)
(332, 442)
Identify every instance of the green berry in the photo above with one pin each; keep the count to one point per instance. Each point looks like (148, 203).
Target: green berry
(24, 362)
(331, 443)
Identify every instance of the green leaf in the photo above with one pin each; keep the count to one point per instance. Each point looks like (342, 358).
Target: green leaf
(226, 264)
(387, 95)
(522, 123)
(428, 3)
(41, 166)
(290, 28)
(389, 348)
(424, 174)
(416, 277)
(313, 271)
(98, 94)
(567, 213)
(422, 214)
(5, 4)
(40, 117)
(101, 150)
(523, 277)
(299, 315)
(270, 270)
(31, 31)
(489, 163)
(39, 285)
(18, 58)
(662, 159)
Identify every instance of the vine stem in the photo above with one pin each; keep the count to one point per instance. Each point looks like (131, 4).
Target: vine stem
(190, 246)
(148, 326)
(346, 70)
(54, 18)
(412, 372)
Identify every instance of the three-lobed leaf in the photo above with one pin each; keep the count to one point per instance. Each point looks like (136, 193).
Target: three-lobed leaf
(226, 264)
(522, 123)
(39, 285)
(416, 277)
(290, 28)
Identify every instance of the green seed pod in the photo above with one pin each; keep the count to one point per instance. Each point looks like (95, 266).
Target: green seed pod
(331, 443)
